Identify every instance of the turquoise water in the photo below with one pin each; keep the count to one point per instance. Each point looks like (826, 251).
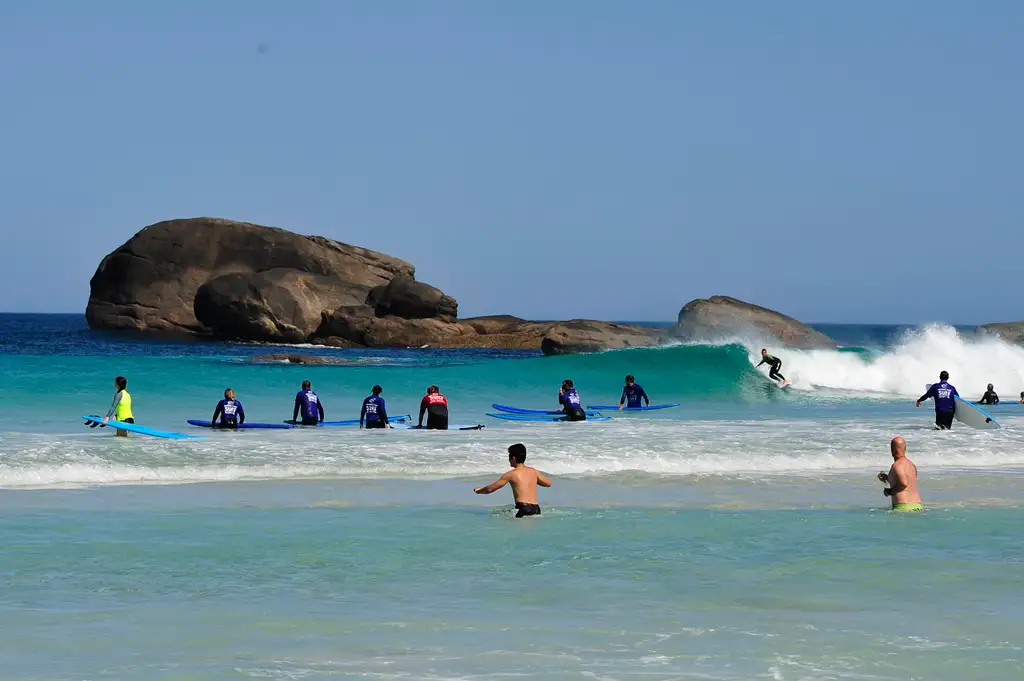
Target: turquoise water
(742, 536)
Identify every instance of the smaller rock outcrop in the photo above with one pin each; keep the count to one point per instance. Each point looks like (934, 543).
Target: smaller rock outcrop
(1011, 332)
(410, 299)
(585, 335)
(721, 317)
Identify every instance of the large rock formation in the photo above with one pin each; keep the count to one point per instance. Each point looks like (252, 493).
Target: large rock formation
(150, 282)
(721, 317)
(1011, 332)
(585, 335)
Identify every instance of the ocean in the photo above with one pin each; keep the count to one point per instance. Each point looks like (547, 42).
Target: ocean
(740, 536)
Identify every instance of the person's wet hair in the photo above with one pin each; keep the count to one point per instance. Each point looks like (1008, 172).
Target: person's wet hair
(377, 390)
(121, 382)
(630, 379)
(306, 385)
(227, 391)
(517, 452)
(568, 384)
(432, 389)
(944, 376)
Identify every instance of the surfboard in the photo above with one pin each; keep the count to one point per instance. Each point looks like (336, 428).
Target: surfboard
(535, 412)
(451, 426)
(973, 416)
(615, 407)
(242, 426)
(348, 422)
(142, 430)
(542, 418)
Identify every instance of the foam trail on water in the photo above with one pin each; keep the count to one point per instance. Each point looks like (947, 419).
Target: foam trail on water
(972, 363)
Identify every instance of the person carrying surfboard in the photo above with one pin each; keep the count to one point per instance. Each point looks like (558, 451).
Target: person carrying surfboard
(435, 406)
(632, 393)
(374, 412)
(945, 396)
(570, 401)
(308, 402)
(901, 478)
(121, 407)
(774, 364)
(524, 481)
(229, 412)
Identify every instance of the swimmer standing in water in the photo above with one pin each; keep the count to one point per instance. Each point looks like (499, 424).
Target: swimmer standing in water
(902, 479)
(524, 481)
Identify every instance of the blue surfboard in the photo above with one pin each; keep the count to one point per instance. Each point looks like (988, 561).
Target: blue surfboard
(141, 430)
(349, 422)
(536, 412)
(615, 407)
(241, 426)
(538, 418)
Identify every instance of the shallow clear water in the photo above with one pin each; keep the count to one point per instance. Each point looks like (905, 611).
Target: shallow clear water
(741, 536)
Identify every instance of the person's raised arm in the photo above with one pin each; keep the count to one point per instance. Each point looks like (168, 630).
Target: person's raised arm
(931, 393)
(542, 480)
(493, 487)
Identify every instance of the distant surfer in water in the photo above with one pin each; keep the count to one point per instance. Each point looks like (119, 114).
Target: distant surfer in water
(229, 412)
(120, 408)
(570, 401)
(902, 479)
(435, 406)
(989, 397)
(524, 481)
(774, 364)
(945, 396)
(374, 411)
(308, 402)
(1022, 397)
(632, 393)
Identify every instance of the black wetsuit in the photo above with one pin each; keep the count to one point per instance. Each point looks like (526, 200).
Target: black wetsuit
(989, 397)
(570, 401)
(774, 364)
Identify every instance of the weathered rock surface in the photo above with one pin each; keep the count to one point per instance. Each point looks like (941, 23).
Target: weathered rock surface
(410, 299)
(722, 317)
(150, 282)
(585, 335)
(1011, 332)
(292, 358)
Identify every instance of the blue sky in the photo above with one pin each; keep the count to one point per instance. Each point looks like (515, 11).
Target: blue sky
(837, 161)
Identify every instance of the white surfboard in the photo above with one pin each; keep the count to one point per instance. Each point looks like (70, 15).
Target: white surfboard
(973, 416)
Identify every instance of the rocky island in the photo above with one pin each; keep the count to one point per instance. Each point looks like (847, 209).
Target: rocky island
(241, 281)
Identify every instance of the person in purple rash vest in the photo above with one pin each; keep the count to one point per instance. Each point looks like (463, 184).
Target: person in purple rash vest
(945, 396)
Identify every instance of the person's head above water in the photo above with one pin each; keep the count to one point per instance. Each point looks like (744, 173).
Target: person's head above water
(898, 447)
(764, 351)
(306, 385)
(229, 394)
(377, 390)
(517, 453)
(567, 384)
(121, 383)
(630, 380)
(944, 376)
(431, 389)
(990, 387)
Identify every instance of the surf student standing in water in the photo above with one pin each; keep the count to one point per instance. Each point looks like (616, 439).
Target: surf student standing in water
(374, 412)
(902, 479)
(570, 401)
(524, 481)
(989, 397)
(229, 412)
(945, 396)
(774, 364)
(121, 407)
(308, 402)
(632, 393)
(435, 406)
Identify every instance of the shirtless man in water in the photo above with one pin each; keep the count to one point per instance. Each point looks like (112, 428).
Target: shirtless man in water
(902, 479)
(524, 482)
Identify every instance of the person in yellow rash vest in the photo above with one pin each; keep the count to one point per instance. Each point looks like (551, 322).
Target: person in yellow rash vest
(902, 479)
(121, 407)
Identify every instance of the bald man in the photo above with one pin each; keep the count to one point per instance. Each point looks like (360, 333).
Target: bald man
(902, 479)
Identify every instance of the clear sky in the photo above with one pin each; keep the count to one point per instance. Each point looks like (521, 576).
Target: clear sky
(857, 161)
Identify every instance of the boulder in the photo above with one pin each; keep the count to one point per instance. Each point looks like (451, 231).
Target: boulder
(276, 306)
(585, 335)
(1011, 332)
(410, 299)
(150, 282)
(721, 317)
